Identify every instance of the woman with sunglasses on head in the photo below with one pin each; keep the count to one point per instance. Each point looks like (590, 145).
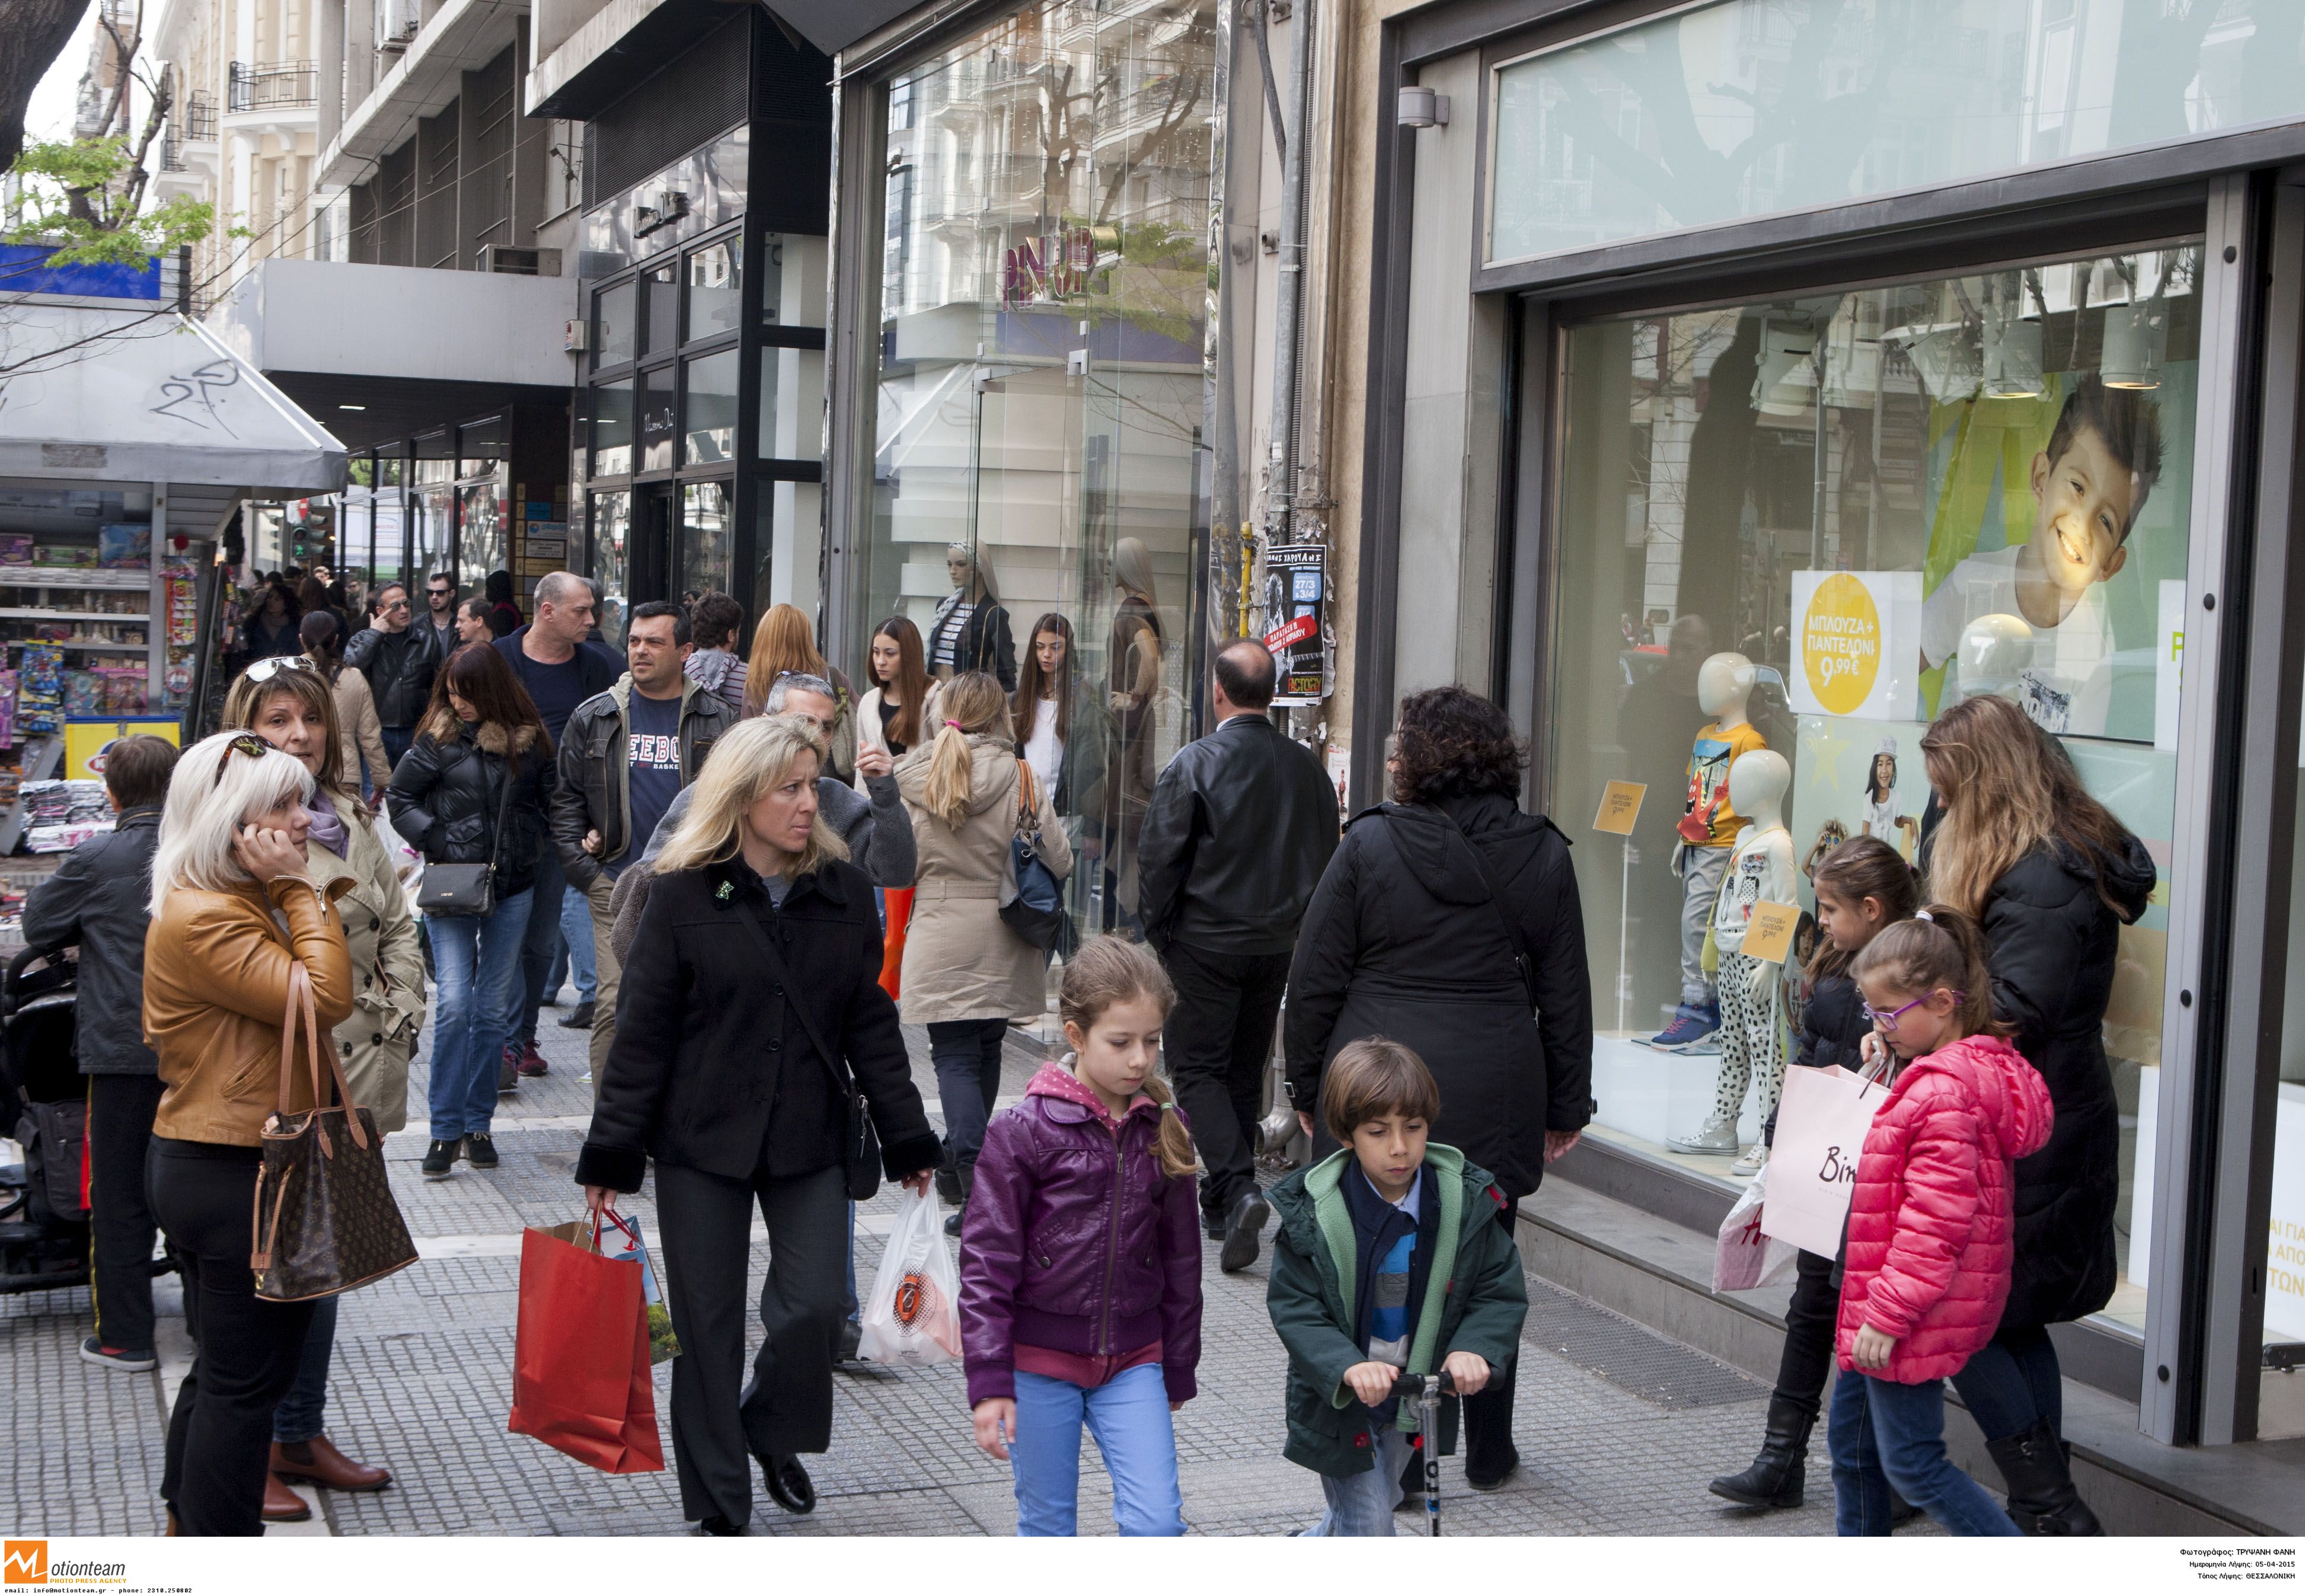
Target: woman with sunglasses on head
(236, 906)
(287, 701)
(475, 788)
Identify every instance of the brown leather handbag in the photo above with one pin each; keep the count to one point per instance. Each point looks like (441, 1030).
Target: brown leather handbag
(325, 1221)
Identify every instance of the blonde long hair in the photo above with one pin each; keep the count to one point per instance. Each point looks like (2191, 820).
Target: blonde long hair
(206, 806)
(2007, 790)
(750, 759)
(1107, 971)
(784, 642)
(972, 704)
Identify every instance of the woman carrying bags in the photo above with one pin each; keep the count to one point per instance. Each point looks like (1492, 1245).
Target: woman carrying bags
(473, 790)
(235, 908)
(965, 972)
(287, 703)
(749, 1017)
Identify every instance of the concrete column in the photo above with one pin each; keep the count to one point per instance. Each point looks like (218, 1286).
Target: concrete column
(329, 57)
(359, 51)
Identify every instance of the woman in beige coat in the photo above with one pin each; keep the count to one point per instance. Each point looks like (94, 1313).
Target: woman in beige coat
(361, 737)
(965, 973)
(288, 702)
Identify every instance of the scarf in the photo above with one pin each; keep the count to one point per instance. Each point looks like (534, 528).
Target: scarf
(329, 828)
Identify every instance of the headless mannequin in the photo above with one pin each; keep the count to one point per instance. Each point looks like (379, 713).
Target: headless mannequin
(1707, 834)
(1761, 871)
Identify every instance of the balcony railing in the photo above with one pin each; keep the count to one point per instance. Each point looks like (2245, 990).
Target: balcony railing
(171, 152)
(263, 87)
(196, 121)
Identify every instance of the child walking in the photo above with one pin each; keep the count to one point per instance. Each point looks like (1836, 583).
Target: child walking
(1930, 1235)
(1862, 887)
(1386, 1259)
(1080, 1264)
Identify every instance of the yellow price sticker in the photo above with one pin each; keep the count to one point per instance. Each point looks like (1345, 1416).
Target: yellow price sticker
(1621, 806)
(1769, 934)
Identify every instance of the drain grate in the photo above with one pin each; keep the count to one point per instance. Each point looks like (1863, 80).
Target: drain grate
(1630, 1355)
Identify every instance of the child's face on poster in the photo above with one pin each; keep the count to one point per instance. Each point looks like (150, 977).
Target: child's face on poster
(2083, 501)
(1884, 772)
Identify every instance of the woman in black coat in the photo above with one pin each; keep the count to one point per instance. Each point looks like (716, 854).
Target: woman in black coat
(758, 950)
(1407, 938)
(2052, 878)
(473, 788)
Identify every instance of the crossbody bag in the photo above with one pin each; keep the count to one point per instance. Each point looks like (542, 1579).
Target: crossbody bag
(468, 891)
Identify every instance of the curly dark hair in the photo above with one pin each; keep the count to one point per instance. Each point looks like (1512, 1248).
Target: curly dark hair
(1454, 743)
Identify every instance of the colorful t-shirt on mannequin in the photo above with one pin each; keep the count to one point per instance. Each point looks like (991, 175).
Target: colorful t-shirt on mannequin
(1708, 819)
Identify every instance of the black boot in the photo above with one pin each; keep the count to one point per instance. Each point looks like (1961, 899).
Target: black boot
(1490, 1455)
(1778, 1474)
(2042, 1500)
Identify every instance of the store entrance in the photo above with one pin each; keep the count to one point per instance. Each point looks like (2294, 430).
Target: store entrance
(651, 548)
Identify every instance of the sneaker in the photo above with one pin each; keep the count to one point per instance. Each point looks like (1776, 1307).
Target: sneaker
(530, 1062)
(1755, 1158)
(439, 1160)
(1719, 1135)
(1690, 1024)
(480, 1151)
(581, 1017)
(92, 1351)
(509, 1072)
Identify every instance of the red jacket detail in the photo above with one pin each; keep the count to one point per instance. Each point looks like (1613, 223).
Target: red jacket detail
(1930, 1223)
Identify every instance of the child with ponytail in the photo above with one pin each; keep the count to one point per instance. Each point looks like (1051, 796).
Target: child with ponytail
(1080, 1264)
(1931, 1227)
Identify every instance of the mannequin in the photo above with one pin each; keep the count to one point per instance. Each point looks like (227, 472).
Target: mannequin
(1994, 655)
(1709, 824)
(1761, 871)
(970, 630)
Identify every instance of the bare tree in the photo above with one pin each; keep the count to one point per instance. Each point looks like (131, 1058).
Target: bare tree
(32, 34)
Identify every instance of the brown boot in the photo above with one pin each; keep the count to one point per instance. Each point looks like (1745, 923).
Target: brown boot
(319, 1461)
(282, 1505)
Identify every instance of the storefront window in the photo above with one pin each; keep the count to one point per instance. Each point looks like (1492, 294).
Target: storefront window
(1860, 508)
(432, 502)
(715, 304)
(708, 539)
(613, 325)
(391, 520)
(612, 527)
(660, 304)
(655, 422)
(709, 434)
(1041, 381)
(612, 428)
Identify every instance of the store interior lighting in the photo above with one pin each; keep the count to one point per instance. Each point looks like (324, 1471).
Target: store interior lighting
(2136, 342)
(1786, 352)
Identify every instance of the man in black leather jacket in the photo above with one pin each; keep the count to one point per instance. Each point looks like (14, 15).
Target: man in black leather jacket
(399, 661)
(1241, 825)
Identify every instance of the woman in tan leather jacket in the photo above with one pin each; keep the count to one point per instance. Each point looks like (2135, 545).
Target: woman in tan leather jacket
(234, 906)
(288, 703)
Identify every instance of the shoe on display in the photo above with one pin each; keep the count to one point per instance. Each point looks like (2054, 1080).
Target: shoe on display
(1689, 1025)
(440, 1160)
(581, 1019)
(1755, 1158)
(480, 1151)
(128, 1360)
(1719, 1135)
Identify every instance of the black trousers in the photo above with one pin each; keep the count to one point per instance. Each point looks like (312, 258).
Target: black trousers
(1489, 1448)
(787, 1407)
(247, 1350)
(1807, 1361)
(120, 1110)
(1219, 1042)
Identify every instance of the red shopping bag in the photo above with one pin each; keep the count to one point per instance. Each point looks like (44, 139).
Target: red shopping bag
(580, 1380)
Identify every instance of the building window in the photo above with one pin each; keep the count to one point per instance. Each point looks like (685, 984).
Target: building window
(612, 428)
(708, 537)
(709, 433)
(715, 300)
(614, 324)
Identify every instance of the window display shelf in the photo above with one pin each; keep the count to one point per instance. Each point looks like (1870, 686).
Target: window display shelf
(106, 648)
(70, 576)
(29, 613)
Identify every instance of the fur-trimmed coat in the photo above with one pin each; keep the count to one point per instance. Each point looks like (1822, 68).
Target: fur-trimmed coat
(445, 792)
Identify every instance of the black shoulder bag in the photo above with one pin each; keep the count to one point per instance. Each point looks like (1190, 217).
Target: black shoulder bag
(468, 891)
(861, 1150)
(1522, 962)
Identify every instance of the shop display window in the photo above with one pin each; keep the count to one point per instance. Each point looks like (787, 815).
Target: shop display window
(612, 528)
(1811, 526)
(709, 430)
(614, 325)
(653, 421)
(708, 541)
(715, 300)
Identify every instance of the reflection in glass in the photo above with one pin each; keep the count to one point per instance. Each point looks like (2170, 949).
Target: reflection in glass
(612, 428)
(708, 538)
(654, 420)
(612, 528)
(614, 325)
(1886, 501)
(660, 302)
(482, 542)
(710, 431)
(714, 301)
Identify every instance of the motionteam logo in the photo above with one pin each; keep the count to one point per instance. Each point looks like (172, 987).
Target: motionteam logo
(26, 1563)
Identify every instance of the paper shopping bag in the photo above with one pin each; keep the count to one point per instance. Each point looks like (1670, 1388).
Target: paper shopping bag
(1743, 1256)
(1822, 1118)
(621, 1238)
(913, 1315)
(581, 1379)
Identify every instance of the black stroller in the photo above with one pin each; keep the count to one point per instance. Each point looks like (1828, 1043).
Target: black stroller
(43, 1240)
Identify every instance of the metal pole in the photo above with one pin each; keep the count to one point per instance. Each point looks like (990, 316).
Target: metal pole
(1280, 485)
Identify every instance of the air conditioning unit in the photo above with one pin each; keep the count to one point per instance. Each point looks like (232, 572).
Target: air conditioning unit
(521, 260)
(400, 20)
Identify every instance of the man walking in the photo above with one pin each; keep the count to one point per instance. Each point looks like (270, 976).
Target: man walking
(440, 610)
(1241, 825)
(626, 755)
(560, 671)
(399, 661)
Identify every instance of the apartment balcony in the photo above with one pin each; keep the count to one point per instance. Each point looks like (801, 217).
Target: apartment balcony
(196, 118)
(276, 87)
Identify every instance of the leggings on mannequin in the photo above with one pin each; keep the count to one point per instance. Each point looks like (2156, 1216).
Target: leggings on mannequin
(1748, 1041)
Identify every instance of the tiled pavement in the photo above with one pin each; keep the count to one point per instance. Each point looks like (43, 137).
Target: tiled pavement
(1619, 1429)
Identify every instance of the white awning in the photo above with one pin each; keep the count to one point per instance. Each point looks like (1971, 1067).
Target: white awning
(127, 396)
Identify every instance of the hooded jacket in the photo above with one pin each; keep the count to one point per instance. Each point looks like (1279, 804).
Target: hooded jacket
(1077, 1241)
(448, 789)
(1931, 1232)
(1475, 1305)
(2052, 943)
(1403, 940)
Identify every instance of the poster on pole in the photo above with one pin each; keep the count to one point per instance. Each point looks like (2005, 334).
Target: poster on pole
(1296, 608)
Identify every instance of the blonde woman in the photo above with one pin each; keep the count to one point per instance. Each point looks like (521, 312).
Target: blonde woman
(235, 906)
(758, 938)
(965, 973)
(784, 645)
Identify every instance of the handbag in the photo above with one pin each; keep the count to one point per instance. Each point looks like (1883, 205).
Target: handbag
(325, 1219)
(860, 1154)
(467, 891)
(1037, 911)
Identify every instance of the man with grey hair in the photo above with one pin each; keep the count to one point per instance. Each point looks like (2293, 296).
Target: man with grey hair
(560, 669)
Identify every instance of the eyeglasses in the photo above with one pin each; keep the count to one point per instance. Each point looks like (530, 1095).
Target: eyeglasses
(247, 742)
(1888, 1022)
(265, 669)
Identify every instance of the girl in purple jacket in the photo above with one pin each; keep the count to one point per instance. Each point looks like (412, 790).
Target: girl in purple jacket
(1080, 1264)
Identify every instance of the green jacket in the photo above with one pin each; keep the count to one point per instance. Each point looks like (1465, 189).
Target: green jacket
(1479, 1298)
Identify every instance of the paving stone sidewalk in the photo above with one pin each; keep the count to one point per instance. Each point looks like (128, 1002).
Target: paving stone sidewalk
(1619, 1429)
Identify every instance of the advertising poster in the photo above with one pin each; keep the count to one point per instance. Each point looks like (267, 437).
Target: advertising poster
(1296, 604)
(1856, 643)
(85, 742)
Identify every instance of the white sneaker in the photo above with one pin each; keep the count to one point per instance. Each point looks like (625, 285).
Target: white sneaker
(1719, 1135)
(1755, 1158)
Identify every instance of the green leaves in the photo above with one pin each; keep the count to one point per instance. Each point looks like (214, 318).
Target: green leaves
(83, 198)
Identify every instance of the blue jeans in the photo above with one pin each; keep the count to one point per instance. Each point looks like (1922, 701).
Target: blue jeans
(1885, 1434)
(575, 954)
(396, 739)
(1363, 1503)
(966, 1053)
(2012, 1382)
(301, 1414)
(1129, 1416)
(538, 945)
(476, 971)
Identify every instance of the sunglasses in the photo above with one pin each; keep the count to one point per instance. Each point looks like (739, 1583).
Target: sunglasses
(247, 742)
(265, 669)
(1888, 1022)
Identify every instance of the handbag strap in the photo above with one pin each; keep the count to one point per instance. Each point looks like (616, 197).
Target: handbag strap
(1522, 959)
(841, 1075)
(300, 999)
(503, 795)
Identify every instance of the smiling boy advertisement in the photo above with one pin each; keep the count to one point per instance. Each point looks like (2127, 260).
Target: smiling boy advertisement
(2052, 637)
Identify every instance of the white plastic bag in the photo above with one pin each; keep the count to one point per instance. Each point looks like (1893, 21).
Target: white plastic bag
(913, 1313)
(1743, 1258)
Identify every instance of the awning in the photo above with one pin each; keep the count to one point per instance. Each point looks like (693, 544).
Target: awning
(128, 395)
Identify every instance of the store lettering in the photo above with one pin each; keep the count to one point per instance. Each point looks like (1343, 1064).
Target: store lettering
(1835, 1172)
(1043, 270)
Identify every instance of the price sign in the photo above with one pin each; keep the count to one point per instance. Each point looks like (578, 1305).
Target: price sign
(1769, 934)
(1621, 807)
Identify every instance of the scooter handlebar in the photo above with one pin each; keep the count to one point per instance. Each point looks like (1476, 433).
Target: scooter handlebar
(1406, 1384)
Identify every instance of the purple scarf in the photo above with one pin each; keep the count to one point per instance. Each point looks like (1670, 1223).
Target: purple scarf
(328, 825)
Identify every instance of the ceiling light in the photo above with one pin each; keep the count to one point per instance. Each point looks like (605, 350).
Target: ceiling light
(2136, 340)
(351, 407)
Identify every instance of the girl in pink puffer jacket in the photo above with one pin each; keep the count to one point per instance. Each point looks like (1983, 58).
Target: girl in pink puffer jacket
(1930, 1223)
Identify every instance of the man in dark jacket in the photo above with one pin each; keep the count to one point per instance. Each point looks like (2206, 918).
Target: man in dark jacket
(399, 661)
(624, 756)
(100, 898)
(1241, 825)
